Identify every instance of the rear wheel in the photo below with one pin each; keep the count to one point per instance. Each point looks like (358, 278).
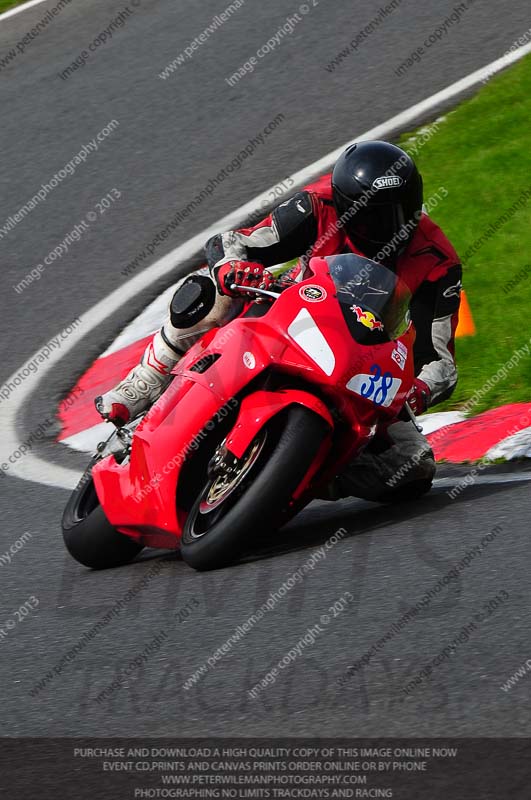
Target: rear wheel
(88, 535)
(245, 497)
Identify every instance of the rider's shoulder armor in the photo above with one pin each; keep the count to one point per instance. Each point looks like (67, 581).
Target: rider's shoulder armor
(294, 213)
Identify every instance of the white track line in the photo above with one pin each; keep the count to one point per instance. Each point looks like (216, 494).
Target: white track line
(19, 9)
(32, 468)
(496, 478)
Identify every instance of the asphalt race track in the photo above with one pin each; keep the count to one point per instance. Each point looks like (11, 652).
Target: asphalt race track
(173, 136)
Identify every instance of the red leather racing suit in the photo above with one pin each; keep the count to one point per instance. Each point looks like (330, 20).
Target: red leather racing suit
(307, 225)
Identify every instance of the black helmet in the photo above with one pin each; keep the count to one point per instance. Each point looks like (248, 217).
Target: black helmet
(377, 191)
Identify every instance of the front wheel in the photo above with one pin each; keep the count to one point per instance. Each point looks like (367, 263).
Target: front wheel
(245, 497)
(88, 535)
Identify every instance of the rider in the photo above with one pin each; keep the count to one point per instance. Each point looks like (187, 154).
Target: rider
(371, 206)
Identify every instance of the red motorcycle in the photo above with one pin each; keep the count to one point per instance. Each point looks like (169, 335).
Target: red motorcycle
(260, 414)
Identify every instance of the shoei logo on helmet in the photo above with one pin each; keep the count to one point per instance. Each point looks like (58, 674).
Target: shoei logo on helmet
(387, 182)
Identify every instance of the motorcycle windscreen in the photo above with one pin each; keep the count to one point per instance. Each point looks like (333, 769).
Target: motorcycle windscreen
(374, 301)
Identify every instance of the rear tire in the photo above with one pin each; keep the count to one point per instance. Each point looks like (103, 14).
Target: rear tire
(88, 535)
(262, 500)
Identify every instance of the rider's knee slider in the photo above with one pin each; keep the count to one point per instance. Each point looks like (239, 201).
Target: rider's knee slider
(192, 301)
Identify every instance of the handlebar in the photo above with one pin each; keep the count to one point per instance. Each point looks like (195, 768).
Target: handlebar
(255, 290)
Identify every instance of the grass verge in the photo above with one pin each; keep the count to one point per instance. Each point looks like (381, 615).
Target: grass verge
(481, 154)
(5, 5)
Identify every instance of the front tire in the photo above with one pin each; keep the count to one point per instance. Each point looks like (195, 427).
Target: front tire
(221, 523)
(88, 535)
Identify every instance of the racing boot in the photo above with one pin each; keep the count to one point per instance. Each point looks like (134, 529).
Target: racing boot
(394, 468)
(194, 309)
(143, 385)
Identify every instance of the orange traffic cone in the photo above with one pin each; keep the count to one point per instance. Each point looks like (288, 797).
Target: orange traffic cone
(465, 326)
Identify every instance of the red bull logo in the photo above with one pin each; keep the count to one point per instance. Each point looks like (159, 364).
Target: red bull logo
(367, 318)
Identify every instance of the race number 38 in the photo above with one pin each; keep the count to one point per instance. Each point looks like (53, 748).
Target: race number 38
(379, 387)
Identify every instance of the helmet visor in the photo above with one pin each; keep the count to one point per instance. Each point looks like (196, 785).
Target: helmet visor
(378, 224)
(370, 227)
